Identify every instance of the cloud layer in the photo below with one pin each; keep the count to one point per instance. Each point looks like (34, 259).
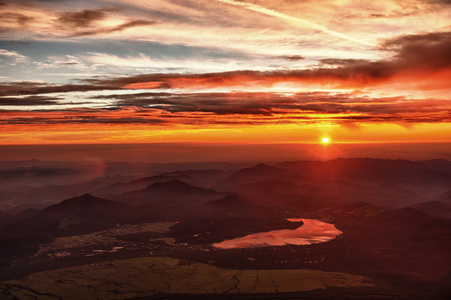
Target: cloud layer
(224, 65)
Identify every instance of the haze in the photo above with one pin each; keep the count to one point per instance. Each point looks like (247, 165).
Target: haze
(208, 152)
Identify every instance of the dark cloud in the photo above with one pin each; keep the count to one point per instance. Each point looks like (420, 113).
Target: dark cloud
(414, 55)
(431, 51)
(341, 61)
(83, 23)
(267, 105)
(447, 2)
(126, 25)
(82, 120)
(33, 88)
(20, 19)
(83, 19)
(215, 103)
(30, 100)
(242, 108)
(291, 57)
(405, 40)
(410, 11)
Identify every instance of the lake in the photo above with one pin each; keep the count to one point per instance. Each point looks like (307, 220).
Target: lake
(312, 232)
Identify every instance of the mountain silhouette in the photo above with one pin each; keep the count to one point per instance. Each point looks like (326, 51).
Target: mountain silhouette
(436, 209)
(170, 193)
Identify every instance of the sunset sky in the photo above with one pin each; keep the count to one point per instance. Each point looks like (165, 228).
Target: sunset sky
(250, 71)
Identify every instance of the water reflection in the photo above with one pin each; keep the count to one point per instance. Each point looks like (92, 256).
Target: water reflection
(312, 232)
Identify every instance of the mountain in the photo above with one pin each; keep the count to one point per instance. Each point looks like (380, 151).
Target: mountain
(229, 217)
(76, 215)
(389, 195)
(85, 206)
(39, 173)
(434, 208)
(170, 193)
(259, 172)
(26, 197)
(444, 197)
(4, 218)
(278, 192)
(201, 178)
(33, 172)
(7, 219)
(233, 205)
(412, 175)
(361, 209)
(138, 184)
(270, 192)
(395, 226)
(403, 243)
(441, 165)
(269, 186)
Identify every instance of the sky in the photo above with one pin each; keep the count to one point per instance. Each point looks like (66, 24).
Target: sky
(224, 71)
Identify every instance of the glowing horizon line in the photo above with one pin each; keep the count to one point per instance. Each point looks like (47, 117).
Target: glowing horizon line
(228, 143)
(273, 13)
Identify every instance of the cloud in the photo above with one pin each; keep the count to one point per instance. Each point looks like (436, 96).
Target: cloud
(341, 61)
(84, 18)
(193, 63)
(278, 106)
(35, 21)
(30, 100)
(415, 59)
(299, 21)
(445, 2)
(291, 57)
(22, 88)
(13, 55)
(428, 51)
(357, 75)
(421, 61)
(67, 61)
(21, 20)
(118, 28)
(195, 109)
(87, 22)
(415, 56)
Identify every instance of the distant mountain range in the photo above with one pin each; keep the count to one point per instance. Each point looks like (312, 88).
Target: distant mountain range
(262, 191)
(395, 215)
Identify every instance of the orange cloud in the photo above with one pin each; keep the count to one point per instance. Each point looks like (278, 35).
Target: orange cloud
(145, 85)
(418, 58)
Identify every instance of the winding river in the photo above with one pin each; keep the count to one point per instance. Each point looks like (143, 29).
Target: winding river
(312, 232)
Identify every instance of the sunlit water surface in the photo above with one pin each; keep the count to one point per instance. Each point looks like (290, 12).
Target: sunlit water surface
(312, 232)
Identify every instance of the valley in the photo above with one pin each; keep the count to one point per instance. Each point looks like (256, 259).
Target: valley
(144, 238)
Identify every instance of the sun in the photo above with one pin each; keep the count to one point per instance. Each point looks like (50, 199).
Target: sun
(325, 140)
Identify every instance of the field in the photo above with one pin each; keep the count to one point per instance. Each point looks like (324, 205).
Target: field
(149, 276)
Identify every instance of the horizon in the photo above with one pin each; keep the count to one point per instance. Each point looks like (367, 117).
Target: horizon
(224, 152)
